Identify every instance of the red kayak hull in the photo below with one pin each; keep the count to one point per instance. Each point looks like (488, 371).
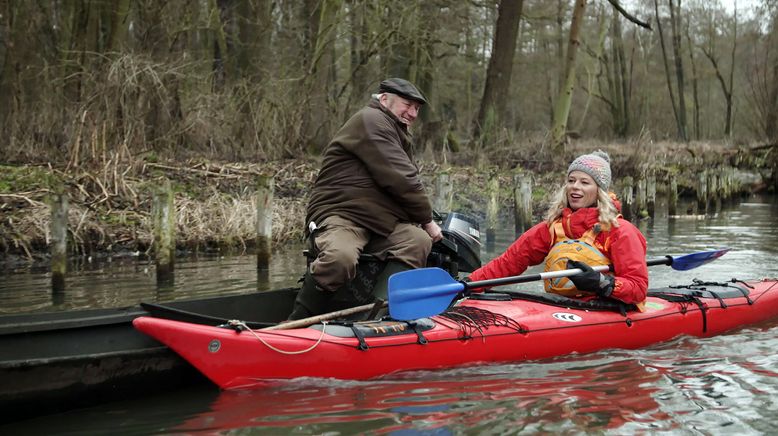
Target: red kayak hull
(239, 359)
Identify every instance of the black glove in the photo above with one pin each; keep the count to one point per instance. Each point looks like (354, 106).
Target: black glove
(590, 280)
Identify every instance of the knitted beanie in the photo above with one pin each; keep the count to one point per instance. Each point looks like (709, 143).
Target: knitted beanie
(597, 165)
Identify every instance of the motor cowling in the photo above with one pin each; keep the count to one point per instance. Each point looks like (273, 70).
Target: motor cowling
(460, 248)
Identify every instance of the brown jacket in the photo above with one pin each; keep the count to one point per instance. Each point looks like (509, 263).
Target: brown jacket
(368, 175)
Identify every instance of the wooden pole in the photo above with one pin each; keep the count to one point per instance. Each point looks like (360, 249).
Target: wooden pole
(651, 194)
(265, 193)
(640, 198)
(626, 198)
(164, 213)
(725, 184)
(672, 196)
(492, 210)
(702, 193)
(714, 191)
(59, 239)
(444, 190)
(522, 202)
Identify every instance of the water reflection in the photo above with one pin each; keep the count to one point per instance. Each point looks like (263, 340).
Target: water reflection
(126, 282)
(591, 395)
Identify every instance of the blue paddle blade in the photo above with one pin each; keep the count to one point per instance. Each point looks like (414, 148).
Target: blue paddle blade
(691, 261)
(419, 293)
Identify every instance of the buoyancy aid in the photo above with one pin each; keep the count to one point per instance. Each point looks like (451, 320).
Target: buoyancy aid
(583, 249)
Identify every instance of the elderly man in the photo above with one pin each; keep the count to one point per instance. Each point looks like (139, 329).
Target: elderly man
(368, 197)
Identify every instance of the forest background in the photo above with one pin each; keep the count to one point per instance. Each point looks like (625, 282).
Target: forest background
(108, 96)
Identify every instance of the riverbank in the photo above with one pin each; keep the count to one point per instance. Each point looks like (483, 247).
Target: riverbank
(110, 199)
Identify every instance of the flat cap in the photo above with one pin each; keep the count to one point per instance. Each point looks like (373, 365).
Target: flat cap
(403, 88)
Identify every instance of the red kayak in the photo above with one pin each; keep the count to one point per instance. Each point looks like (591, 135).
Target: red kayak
(491, 327)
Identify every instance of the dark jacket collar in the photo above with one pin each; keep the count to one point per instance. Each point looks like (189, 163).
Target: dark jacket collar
(374, 103)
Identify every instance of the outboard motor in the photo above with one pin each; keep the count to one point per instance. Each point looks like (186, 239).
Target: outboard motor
(460, 248)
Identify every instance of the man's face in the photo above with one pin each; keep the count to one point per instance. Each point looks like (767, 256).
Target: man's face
(405, 110)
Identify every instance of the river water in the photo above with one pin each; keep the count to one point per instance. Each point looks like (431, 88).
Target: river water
(722, 385)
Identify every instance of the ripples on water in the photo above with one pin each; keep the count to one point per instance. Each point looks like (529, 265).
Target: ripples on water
(722, 385)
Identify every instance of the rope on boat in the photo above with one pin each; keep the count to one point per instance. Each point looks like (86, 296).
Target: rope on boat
(472, 319)
(278, 350)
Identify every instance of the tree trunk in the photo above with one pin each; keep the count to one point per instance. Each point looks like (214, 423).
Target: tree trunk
(117, 39)
(491, 114)
(251, 49)
(667, 70)
(397, 60)
(730, 121)
(621, 88)
(771, 118)
(321, 74)
(593, 77)
(675, 21)
(220, 57)
(695, 91)
(359, 53)
(562, 106)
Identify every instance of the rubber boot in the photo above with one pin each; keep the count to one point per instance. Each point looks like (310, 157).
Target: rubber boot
(311, 300)
(381, 289)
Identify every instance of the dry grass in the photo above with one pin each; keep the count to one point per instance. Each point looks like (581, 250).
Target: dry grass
(110, 197)
(110, 206)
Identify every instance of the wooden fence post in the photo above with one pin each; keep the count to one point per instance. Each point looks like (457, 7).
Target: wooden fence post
(626, 198)
(702, 193)
(444, 190)
(164, 213)
(492, 210)
(265, 193)
(59, 239)
(522, 202)
(640, 198)
(714, 193)
(672, 196)
(651, 194)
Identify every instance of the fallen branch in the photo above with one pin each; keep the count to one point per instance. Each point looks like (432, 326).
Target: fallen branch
(22, 197)
(192, 170)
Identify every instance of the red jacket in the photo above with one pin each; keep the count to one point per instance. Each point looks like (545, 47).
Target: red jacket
(625, 246)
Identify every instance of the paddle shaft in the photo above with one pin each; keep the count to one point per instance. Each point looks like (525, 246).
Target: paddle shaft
(667, 260)
(305, 322)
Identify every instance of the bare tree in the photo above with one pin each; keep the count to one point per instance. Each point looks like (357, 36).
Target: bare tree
(491, 113)
(695, 86)
(564, 101)
(562, 106)
(771, 114)
(675, 22)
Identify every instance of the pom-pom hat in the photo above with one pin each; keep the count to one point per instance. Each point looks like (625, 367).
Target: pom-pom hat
(597, 165)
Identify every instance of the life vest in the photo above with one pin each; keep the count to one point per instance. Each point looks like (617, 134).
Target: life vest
(582, 249)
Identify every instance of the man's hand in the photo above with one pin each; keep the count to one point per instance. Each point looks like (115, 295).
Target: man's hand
(433, 229)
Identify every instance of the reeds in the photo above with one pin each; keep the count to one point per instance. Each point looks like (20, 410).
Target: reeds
(110, 206)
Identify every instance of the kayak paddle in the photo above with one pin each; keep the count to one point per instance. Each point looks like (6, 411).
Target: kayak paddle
(423, 292)
(305, 322)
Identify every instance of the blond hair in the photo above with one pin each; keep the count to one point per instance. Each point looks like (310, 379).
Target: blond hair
(607, 210)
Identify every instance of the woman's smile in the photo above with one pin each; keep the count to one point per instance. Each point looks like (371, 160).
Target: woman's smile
(581, 190)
